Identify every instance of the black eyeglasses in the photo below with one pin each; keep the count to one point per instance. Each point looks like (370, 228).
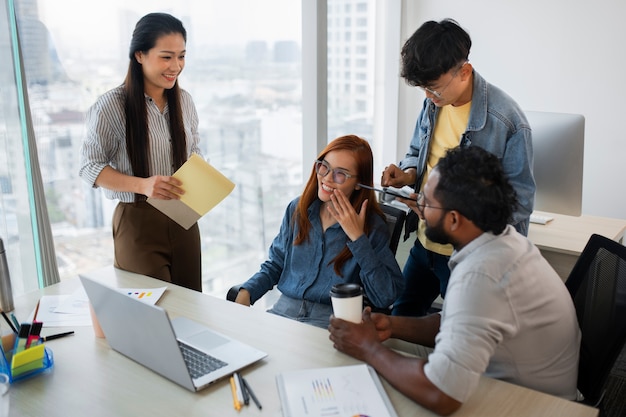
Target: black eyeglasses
(439, 94)
(322, 168)
(421, 205)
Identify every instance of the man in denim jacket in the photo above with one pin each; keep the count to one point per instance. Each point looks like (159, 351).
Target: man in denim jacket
(461, 108)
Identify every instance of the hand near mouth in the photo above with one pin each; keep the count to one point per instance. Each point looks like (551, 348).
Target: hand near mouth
(352, 223)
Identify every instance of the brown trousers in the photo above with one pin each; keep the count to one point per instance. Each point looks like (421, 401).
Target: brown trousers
(148, 242)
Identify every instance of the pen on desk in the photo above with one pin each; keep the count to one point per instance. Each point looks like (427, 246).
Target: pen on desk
(238, 388)
(242, 388)
(233, 389)
(251, 393)
(57, 336)
(36, 311)
(387, 190)
(4, 315)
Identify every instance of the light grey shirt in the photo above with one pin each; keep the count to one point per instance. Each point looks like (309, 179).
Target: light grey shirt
(105, 140)
(506, 314)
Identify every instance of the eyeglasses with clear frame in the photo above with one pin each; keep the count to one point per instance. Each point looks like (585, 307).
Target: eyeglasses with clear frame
(322, 168)
(439, 94)
(421, 204)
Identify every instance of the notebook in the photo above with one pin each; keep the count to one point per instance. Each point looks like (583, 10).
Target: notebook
(144, 333)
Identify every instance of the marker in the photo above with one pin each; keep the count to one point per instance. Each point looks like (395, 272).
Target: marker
(57, 336)
(244, 391)
(22, 337)
(238, 388)
(233, 390)
(33, 334)
(254, 398)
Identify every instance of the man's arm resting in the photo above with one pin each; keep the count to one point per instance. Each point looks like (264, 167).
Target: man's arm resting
(419, 330)
(406, 374)
(364, 342)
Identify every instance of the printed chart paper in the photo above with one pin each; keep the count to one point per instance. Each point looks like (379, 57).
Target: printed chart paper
(342, 391)
(205, 187)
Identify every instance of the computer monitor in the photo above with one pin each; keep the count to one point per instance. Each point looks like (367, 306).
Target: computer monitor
(558, 148)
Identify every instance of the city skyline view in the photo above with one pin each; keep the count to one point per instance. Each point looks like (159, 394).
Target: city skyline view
(247, 87)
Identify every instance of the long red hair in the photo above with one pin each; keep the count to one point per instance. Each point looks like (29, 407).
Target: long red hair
(362, 152)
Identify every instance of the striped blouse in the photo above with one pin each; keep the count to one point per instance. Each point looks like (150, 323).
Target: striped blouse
(105, 140)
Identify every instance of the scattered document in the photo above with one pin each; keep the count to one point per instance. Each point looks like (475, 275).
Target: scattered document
(147, 295)
(205, 187)
(73, 309)
(339, 391)
(74, 312)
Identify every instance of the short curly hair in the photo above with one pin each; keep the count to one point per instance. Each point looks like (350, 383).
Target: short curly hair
(472, 182)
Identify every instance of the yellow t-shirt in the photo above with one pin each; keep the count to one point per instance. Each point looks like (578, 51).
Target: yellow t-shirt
(451, 123)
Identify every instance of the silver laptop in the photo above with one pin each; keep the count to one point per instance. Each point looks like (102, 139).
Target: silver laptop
(144, 333)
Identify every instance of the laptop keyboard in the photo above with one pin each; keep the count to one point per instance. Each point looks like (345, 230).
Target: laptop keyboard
(199, 363)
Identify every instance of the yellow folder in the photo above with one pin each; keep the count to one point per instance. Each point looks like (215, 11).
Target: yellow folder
(205, 187)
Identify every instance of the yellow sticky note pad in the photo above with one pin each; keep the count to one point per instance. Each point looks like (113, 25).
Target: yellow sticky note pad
(27, 360)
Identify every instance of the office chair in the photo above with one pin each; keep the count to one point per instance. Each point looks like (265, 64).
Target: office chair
(597, 285)
(395, 220)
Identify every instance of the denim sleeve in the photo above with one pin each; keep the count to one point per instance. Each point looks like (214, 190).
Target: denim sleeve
(517, 164)
(272, 269)
(380, 273)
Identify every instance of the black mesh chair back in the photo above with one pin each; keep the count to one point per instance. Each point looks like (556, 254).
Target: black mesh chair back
(395, 220)
(597, 284)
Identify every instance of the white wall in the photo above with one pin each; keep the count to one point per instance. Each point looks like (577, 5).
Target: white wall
(550, 55)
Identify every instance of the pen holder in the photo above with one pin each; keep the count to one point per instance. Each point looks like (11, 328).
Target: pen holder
(27, 363)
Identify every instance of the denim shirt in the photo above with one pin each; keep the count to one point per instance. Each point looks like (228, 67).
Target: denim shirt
(497, 124)
(303, 271)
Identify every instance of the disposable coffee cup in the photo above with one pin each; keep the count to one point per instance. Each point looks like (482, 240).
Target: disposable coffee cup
(347, 300)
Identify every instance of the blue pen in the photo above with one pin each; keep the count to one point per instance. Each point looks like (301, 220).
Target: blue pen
(17, 323)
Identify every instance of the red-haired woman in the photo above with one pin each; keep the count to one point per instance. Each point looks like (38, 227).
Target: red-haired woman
(335, 232)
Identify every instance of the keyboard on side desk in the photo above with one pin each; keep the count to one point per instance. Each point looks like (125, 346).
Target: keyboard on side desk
(540, 219)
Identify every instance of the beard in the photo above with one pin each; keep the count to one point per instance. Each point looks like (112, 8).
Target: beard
(437, 234)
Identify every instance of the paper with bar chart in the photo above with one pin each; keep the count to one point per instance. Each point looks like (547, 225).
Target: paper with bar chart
(353, 390)
(205, 187)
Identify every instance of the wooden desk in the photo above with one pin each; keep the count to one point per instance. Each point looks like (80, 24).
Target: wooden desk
(90, 379)
(563, 239)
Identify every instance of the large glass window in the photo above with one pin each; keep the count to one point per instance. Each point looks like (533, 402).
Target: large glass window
(16, 226)
(243, 71)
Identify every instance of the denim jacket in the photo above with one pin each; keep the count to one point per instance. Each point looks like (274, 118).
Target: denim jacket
(303, 272)
(496, 123)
